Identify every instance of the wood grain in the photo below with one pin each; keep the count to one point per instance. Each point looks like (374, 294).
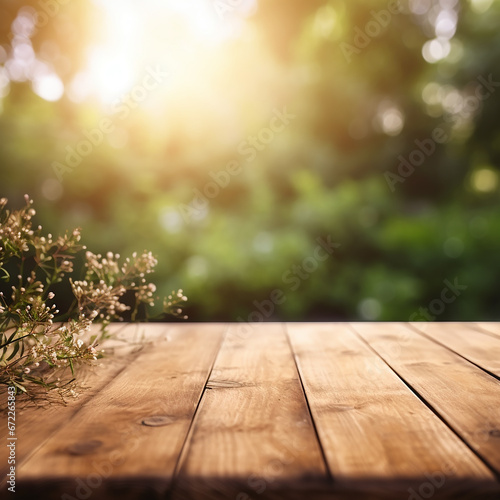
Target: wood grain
(463, 395)
(489, 327)
(116, 445)
(480, 348)
(391, 411)
(34, 425)
(252, 436)
(370, 425)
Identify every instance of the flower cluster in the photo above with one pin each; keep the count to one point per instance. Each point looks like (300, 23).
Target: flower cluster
(108, 280)
(16, 229)
(174, 302)
(36, 348)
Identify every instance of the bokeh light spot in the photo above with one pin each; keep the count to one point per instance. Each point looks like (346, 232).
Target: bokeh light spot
(432, 94)
(392, 121)
(446, 24)
(325, 21)
(197, 266)
(171, 220)
(419, 7)
(369, 309)
(263, 243)
(52, 189)
(435, 50)
(484, 180)
(480, 6)
(453, 247)
(48, 87)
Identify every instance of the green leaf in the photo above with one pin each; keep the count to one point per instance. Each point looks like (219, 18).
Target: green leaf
(15, 350)
(9, 339)
(37, 381)
(12, 340)
(6, 276)
(19, 386)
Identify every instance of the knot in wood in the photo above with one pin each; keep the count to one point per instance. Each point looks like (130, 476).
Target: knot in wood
(157, 420)
(84, 447)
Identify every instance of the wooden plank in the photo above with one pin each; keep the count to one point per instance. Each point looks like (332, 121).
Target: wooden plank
(114, 446)
(252, 436)
(34, 425)
(466, 397)
(490, 327)
(127, 439)
(378, 438)
(480, 348)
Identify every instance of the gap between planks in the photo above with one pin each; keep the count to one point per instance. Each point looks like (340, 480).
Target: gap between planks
(91, 379)
(252, 436)
(118, 433)
(476, 346)
(276, 463)
(459, 392)
(378, 437)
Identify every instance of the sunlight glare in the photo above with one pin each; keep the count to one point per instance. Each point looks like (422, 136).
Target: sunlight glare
(167, 34)
(110, 73)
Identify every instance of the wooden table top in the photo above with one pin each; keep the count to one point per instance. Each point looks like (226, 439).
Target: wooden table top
(270, 410)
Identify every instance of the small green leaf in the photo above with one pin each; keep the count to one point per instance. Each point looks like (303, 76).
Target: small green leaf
(6, 276)
(19, 386)
(14, 352)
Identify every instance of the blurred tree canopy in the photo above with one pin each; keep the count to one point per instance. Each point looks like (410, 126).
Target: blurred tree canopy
(232, 138)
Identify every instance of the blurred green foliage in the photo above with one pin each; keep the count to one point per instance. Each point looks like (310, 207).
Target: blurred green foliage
(325, 174)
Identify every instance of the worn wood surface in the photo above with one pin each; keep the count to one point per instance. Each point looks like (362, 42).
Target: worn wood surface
(92, 378)
(465, 396)
(255, 415)
(481, 348)
(371, 425)
(268, 411)
(136, 425)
